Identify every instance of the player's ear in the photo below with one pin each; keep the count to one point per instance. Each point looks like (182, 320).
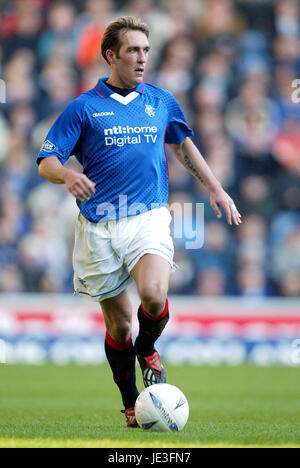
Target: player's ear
(110, 55)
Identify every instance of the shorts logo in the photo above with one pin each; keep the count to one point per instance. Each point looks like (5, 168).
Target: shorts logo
(83, 282)
(48, 146)
(150, 111)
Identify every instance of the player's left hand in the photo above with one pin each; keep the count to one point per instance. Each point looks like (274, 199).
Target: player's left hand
(219, 198)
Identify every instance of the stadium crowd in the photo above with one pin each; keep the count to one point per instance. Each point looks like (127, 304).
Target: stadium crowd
(231, 65)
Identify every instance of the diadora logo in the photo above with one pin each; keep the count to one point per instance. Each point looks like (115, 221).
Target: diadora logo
(150, 110)
(103, 114)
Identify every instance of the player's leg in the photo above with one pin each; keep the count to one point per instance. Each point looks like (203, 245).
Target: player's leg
(151, 274)
(99, 275)
(119, 349)
(117, 314)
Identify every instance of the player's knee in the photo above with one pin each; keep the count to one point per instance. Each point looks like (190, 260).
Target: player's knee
(119, 332)
(153, 299)
(119, 328)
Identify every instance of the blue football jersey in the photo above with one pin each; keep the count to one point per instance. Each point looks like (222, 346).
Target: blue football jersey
(120, 142)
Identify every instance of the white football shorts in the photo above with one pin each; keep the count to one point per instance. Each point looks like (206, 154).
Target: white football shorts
(105, 253)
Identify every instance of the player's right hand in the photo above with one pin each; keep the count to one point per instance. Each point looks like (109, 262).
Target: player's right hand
(79, 185)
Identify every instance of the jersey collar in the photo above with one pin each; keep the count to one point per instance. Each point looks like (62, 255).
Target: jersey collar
(105, 91)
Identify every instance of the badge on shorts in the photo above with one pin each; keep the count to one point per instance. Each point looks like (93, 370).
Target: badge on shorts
(83, 282)
(48, 146)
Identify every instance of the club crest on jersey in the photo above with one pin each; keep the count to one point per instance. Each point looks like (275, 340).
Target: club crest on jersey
(150, 110)
(48, 146)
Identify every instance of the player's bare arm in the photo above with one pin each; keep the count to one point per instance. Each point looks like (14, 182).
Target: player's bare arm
(190, 157)
(76, 183)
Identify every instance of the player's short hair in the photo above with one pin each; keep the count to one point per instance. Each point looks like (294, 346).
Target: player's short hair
(111, 36)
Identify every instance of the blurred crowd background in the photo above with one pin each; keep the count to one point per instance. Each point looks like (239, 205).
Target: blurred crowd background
(230, 64)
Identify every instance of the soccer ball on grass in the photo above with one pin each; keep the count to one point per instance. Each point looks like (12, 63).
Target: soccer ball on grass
(161, 408)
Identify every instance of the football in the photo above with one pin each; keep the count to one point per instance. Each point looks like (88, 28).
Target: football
(162, 408)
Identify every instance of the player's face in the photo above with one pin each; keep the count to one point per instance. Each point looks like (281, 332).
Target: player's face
(129, 66)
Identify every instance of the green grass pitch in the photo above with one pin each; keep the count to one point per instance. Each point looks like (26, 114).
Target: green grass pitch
(79, 406)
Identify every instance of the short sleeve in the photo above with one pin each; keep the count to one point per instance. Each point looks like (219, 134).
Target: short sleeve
(178, 128)
(64, 134)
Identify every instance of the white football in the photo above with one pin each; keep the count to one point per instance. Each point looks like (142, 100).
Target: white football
(162, 408)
